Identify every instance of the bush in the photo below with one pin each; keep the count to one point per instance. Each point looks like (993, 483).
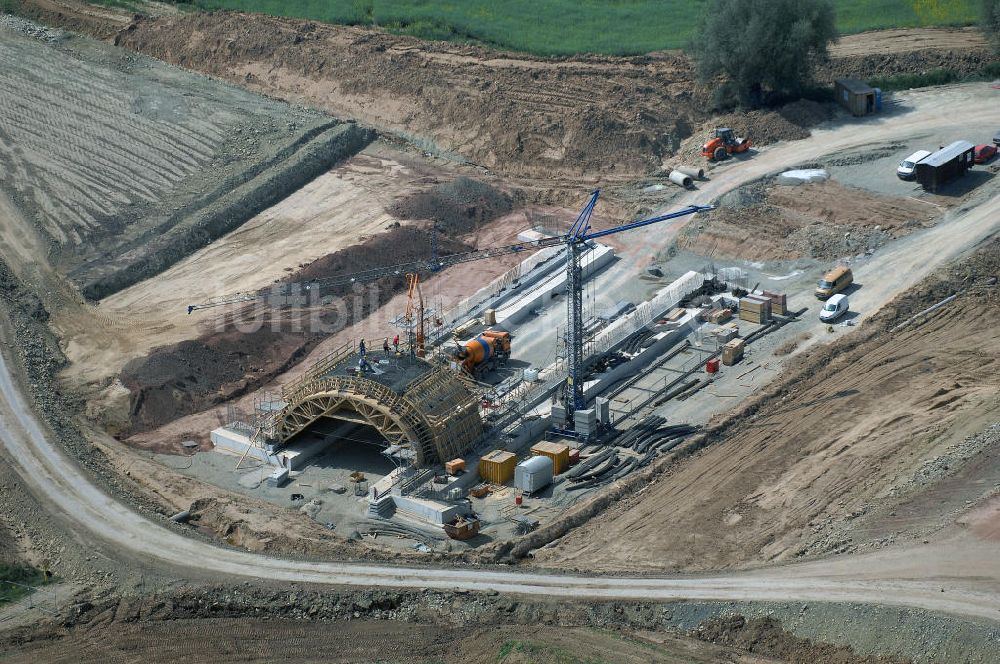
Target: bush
(990, 22)
(23, 575)
(762, 47)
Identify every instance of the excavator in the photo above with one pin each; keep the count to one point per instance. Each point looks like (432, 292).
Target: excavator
(723, 144)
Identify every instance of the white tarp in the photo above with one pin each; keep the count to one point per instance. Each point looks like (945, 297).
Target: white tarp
(804, 175)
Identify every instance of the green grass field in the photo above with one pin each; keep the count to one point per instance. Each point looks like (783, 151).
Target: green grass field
(564, 27)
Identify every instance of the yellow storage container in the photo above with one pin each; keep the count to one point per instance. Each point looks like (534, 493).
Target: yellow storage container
(558, 452)
(497, 467)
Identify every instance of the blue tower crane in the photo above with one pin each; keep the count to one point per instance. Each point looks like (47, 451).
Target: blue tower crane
(576, 242)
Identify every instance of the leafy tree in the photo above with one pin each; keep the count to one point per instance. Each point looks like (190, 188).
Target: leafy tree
(991, 22)
(762, 46)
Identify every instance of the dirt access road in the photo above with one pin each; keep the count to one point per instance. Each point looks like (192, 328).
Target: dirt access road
(971, 579)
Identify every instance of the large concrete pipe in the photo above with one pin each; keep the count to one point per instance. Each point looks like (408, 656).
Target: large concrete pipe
(680, 179)
(693, 171)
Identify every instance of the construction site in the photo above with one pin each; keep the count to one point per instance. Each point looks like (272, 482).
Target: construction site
(417, 346)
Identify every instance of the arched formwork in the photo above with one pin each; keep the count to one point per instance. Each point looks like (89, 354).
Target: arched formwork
(436, 415)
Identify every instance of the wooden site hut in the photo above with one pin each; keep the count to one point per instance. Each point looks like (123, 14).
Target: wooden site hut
(856, 96)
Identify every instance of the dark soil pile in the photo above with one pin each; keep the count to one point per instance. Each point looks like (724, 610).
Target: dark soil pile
(788, 123)
(191, 376)
(765, 636)
(881, 65)
(460, 206)
(400, 245)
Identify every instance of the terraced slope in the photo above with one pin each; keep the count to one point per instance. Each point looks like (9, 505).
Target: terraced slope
(80, 144)
(126, 164)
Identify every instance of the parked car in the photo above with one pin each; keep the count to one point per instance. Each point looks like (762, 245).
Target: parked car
(996, 138)
(834, 281)
(834, 308)
(984, 153)
(908, 167)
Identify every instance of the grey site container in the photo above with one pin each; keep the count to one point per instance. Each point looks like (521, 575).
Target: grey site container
(533, 474)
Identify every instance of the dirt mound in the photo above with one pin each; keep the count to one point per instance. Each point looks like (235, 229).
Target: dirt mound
(400, 245)
(512, 113)
(806, 112)
(823, 220)
(460, 206)
(191, 376)
(790, 122)
(765, 636)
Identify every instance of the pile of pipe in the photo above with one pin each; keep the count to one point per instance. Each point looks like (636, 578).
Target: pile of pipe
(401, 530)
(648, 439)
(638, 342)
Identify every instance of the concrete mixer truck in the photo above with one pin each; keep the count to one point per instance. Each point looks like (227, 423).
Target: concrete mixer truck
(484, 352)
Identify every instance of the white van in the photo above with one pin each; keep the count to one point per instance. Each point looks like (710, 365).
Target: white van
(835, 307)
(908, 167)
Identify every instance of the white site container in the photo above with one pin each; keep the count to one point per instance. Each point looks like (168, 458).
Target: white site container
(533, 474)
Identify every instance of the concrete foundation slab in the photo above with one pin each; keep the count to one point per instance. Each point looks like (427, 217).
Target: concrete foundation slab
(427, 511)
(230, 441)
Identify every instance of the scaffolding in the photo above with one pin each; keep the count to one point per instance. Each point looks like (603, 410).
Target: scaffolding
(435, 415)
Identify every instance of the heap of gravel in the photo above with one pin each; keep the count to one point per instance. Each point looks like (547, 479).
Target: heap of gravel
(30, 29)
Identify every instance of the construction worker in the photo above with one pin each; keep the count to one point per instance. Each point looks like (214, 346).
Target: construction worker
(385, 346)
(395, 343)
(361, 348)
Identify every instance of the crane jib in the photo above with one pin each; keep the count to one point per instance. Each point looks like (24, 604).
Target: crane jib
(577, 233)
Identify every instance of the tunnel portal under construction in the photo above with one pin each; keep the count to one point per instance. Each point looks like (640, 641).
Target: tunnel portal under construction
(424, 409)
